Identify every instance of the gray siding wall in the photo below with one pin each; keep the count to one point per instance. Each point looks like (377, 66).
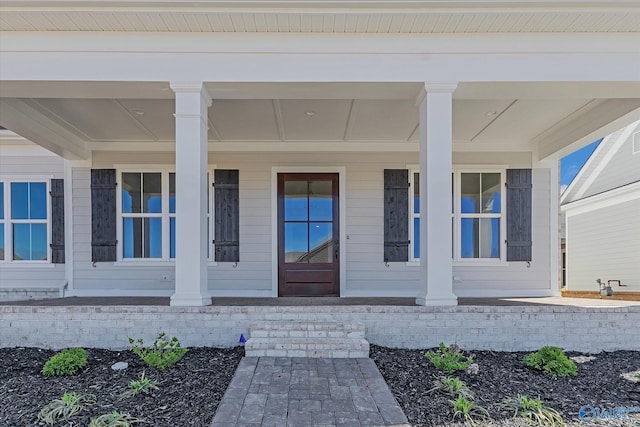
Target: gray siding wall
(623, 168)
(34, 276)
(604, 244)
(366, 273)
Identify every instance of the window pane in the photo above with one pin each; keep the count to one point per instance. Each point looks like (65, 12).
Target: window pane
(131, 192)
(142, 237)
(470, 193)
(152, 186)
(39, 242)
(172, 193)
(489, 237)
(469, 237)
(38, 200)
(320, 201)
(29, 242)
(416, 238)
(295, 200)
(172, 237)
(1, 200)
(1, 241)
(320, 242)
(491, 192)
(416, 193)
(19, 200)
(296, 244)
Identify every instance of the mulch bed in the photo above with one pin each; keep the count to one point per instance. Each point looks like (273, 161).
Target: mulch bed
(410, 374)
(189, 393)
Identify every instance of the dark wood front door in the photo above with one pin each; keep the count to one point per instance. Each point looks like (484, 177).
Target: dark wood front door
(308, 234)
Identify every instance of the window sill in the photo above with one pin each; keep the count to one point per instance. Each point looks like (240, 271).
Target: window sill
(28, 264)
(413, 264)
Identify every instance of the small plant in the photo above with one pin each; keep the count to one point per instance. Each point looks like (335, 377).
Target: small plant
(449, 359)
(65, 407)
(115, 419)
(638, 375)
(164, 353)
(552, 360)
(66, 362)
(468, 410)
(453, 386)
(533, 410)
(136, 387)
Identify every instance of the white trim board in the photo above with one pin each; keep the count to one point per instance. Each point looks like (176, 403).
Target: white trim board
(342, 199)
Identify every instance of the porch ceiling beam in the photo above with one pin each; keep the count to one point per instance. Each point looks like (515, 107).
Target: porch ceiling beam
(28, 121)
(595, 120)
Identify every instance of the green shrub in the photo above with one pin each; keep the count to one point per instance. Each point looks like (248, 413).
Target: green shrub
(449, 359)
(115, 419)
(66, 362)
(163, 354)
(136, 387)
(468, 410)
(452, 386)
(551, 360)
(65, 407)
(533, 410)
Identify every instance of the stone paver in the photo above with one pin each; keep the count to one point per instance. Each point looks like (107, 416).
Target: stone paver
(291, 392)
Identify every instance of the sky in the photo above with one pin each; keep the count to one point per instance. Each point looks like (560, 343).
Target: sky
(571, 164)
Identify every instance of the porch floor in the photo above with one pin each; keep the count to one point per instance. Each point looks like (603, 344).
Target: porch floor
(319, 301)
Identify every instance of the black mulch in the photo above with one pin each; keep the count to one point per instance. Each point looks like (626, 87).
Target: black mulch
(188, 396)
(501, 374)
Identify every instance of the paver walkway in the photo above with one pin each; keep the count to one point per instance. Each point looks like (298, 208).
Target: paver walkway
(292, 392)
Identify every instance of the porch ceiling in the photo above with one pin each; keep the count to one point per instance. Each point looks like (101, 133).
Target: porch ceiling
(509, 116)
(289, 16)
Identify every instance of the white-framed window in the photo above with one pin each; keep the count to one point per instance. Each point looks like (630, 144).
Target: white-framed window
(24, 220)
(477, 214)
(147, 219)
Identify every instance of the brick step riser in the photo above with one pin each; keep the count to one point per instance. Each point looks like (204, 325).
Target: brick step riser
(307, 326)
(305, 334)
(337, 354)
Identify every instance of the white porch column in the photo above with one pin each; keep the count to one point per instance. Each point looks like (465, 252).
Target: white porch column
(436, 267)
(192, 103)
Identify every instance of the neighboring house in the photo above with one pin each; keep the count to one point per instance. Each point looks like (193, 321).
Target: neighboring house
(404, 149)
(602, 210)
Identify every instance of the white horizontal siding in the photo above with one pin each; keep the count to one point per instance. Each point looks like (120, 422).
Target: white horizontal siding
(37, 276)
(366, 273)
(604, 244)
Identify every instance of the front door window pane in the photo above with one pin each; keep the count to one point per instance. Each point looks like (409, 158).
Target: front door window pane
(320, 201)
(491, 193)
(295, 201)
(320, 242)
(296, 243)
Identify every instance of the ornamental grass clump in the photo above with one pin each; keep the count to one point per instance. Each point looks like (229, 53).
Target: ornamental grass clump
(533, 410)
(468, 411)
(66, 362)
(115, 419)
(449, 359)
(67, 406)
(452, 386)
(164, 352)
(141, 386)
(552, 360)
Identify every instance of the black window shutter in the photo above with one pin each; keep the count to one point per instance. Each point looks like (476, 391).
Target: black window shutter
(396, 215)
(57, 221)
(227, 215)
(103, 215)
(519, 185)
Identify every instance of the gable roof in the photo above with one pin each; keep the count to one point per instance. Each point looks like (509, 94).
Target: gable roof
(591, 178)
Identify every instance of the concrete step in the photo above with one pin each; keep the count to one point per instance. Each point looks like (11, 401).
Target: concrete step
(307, 347)
(292, 329)
(307, 339)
